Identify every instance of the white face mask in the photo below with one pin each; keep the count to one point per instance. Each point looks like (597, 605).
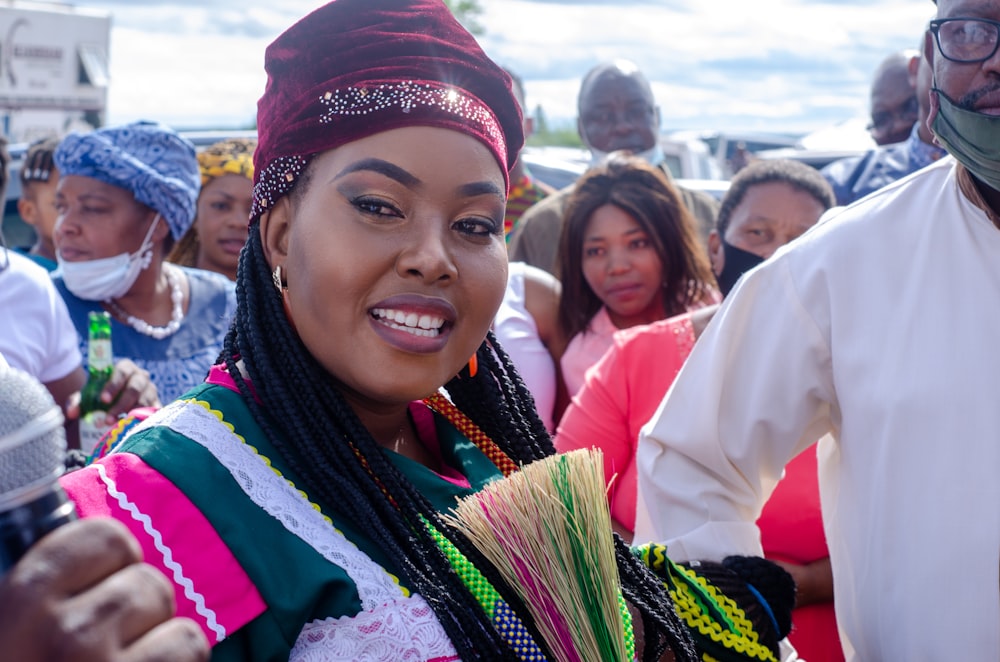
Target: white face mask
(653, 156)
(107, 277)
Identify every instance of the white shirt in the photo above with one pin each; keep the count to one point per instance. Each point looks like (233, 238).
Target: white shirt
(517, 332)
(36, 334)
(881, 327)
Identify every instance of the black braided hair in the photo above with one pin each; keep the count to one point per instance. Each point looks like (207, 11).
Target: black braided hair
(771, 582)
(500, 404)
(774, 584)
(662, 627)
(337, 460)
(39, 162)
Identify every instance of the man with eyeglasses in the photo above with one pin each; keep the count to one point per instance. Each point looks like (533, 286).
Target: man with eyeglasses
(854, 177)
(893, 99)
(877, 333)
(616, 112)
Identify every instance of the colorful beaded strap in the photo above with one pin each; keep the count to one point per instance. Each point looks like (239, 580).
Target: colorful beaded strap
(503, 617)
(464, 424)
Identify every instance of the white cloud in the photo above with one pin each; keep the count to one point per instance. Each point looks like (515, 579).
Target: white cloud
(768, 63)
(209, 80)
(780, 64)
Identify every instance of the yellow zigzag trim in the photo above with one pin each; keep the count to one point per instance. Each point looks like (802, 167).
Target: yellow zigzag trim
(743, 641)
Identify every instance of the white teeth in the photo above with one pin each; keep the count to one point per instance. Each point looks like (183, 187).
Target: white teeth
(428, 326)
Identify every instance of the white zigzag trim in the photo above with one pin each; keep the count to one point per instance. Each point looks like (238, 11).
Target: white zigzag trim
(168, 558)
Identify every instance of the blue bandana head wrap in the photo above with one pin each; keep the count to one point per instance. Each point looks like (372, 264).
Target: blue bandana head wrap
(150, 160)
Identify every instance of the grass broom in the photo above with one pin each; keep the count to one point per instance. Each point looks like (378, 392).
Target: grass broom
(547, 529)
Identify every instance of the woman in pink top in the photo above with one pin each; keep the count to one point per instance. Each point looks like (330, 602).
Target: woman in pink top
(629, 254)
(769, 203)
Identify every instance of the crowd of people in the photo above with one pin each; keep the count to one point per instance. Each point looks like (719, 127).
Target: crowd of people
(324, 338)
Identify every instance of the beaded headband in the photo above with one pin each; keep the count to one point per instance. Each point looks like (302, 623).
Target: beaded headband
(385, 105)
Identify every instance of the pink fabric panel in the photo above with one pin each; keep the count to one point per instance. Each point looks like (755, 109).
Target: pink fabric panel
(423, 421)
(621, 393)
(193, 545)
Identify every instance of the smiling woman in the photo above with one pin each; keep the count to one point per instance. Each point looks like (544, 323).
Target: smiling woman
(360, 392)
(416, 240)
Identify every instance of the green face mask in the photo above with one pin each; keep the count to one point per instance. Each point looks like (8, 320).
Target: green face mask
(972, 138)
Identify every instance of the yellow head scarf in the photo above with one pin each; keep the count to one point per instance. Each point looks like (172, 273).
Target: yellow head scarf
(227, 157)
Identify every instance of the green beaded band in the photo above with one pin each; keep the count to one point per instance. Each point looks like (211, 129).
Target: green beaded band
(494, 606)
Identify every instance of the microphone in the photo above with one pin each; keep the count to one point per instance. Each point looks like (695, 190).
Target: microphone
(32, 457)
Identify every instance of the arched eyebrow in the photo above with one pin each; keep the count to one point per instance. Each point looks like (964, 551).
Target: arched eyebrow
(390, 170)
(628, 233)
(474, 189)
(87, 197)
(407, 179)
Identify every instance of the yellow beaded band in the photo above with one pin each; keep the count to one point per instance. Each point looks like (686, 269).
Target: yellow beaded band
(721, 629)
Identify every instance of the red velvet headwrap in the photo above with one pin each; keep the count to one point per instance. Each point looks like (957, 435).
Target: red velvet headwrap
(354, 68)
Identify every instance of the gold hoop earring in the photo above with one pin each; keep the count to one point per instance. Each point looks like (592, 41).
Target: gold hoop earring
(276, 279)
(283, 291)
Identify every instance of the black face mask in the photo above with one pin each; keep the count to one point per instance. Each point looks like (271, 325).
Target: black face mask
(737, 261)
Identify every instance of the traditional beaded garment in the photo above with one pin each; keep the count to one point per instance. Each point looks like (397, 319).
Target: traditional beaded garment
(721, 630)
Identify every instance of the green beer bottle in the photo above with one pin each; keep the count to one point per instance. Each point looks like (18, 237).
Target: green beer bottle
(99, 369)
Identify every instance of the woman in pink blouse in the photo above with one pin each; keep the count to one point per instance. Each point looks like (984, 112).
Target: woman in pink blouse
(629, 254)
(769, 203)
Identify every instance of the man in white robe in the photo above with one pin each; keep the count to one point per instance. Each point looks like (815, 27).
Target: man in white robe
(877, 331)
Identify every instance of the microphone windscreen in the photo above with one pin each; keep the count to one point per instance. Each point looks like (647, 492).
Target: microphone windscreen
(32, 439)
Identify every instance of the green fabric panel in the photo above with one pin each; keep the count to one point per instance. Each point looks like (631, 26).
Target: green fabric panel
(297, 584)
(459, 453)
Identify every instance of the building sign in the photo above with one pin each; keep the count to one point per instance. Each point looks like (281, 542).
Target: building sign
(54, 59)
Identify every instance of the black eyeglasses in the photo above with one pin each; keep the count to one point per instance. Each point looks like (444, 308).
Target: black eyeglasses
(607, 116)
(966, 40)
(907, 112)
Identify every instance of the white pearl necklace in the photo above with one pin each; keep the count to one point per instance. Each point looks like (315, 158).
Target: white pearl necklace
(176, 316)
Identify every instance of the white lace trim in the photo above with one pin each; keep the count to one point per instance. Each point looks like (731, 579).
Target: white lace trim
(277, 497)
(168, 557)
(403, 630)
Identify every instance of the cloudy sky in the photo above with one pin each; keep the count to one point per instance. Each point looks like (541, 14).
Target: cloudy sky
(774, 65)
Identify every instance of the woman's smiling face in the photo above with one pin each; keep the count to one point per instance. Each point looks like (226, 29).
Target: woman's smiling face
(393, 251)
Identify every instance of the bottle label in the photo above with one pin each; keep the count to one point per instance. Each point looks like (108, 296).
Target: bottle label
(92, 428)
(99, 354)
